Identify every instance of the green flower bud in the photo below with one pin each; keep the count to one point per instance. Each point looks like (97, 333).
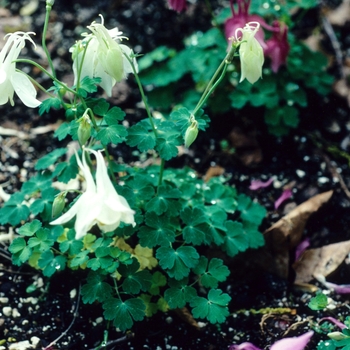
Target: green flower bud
(84, 129)
(191, 133)
(58, 204)
(337, 335)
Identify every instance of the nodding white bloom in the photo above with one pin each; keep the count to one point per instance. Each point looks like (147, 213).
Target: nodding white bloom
(11, 80)
(250, 52)
(99, 55)
(100, 204)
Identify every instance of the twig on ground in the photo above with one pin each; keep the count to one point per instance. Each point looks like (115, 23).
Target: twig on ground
(49, 347)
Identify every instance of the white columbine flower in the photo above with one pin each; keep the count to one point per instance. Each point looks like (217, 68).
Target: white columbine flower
(100, 204)
(250, 52)
(12, 80)
(104, 57)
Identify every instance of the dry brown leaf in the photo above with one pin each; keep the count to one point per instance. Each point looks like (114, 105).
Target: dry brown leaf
(213, 172)
(282, 237)
(340, 15)
(187, 317)
(320, 261)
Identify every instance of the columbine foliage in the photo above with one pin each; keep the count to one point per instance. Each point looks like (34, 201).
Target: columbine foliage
(154, 225)
(281, 96)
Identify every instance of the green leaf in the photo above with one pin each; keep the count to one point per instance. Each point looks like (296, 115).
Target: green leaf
(213, 273)
(49, 159)
(179, 294)
(71, 245)
(221, 196)
(193, 233)
(112, 134)
(43, 205)
(100, 107)
(134, 280)
(156, 232)
(290, 116)
(142, 136)
(326, 345)
(157, 55)
(30, 228)
(95, 288)
(123, 313)
(51, 263)
(164, 201)
(49, 103)
(177, 262)
(14, 210)
(214, 308)
(66, 171)
(37, 183)
(158, 280)
(318, 302)
(235, 240)
(255, 238)
(250, 211)
(102, 259)
(167, 146)
(42, 241)
(88, 85)
(20, 251)
(114, 115)
(66, 129)
(80, 259)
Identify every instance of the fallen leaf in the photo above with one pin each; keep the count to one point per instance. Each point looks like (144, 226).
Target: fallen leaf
(320, 261)
(284, 236)
(187, 317)
(340, 15)
(213, 171)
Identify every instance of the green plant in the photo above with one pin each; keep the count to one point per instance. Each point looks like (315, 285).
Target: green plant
(155, 225)
(179, 77)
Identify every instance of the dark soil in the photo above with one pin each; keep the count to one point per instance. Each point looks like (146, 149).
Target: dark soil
(298, 158)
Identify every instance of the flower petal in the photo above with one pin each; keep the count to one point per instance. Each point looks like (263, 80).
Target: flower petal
(257, 184)
(244, 346)
(283, 197)
(24, 89)
(68, 215)
(296, 343)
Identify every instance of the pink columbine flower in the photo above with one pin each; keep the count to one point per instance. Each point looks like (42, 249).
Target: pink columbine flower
(241, 17)
(277, 47)
(295, 343)
(177, 5)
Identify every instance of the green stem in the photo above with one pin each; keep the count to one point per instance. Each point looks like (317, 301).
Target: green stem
(209, 89)
(43, 39)
(161, 172)
(97, 128)
(143, 96)
(22, 60)
(215, 84)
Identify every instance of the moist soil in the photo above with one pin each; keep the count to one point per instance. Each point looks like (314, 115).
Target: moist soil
(264, 307)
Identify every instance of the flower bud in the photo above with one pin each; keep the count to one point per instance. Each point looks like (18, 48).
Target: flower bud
(337, 335)
(58, 204)
(191, 133)
(84, 129)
